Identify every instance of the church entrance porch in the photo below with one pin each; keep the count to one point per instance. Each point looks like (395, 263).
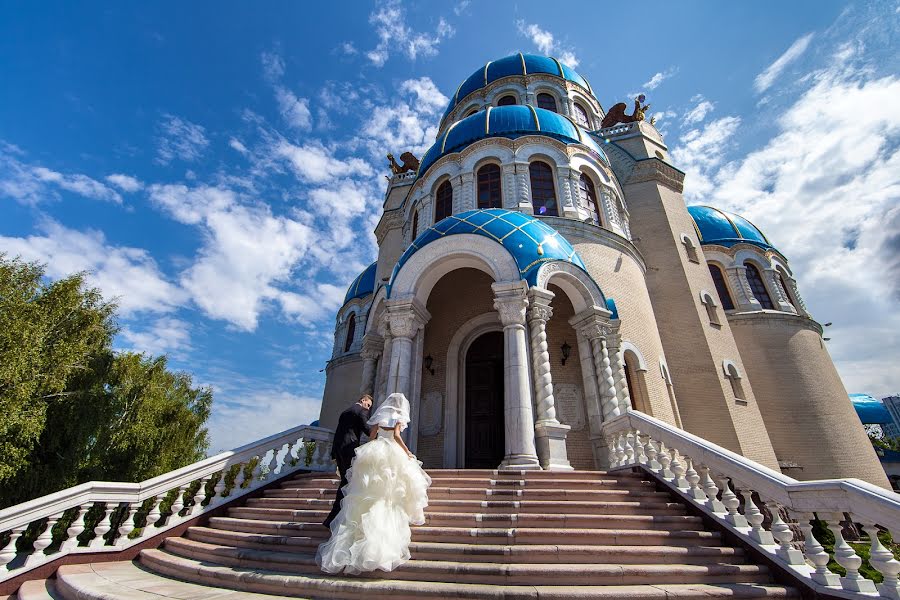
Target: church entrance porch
(484, 430)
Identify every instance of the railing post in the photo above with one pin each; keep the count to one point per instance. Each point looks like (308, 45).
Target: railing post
(640, 453)
(664, 461)
(783, 534)
(816, 553)
(103, 527)
(711, 491)
(629, 449)
(754, 517)
(677, 469)
(847, 558)
(200, 496)
(9, 550)
(43, 541)
(693, 479)
(731, 502)
(127, 525)
(153, 516)
(178, 503)
(650, 449)
(75, 528)
(883, 560)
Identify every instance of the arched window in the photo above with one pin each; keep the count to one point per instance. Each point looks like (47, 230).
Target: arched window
(589, 198)
(787, 290)
(707, 301)
(489, 187)
(547, 102)
(734, 377)
(543, 192)
(471, 112)
(758, 287)
(690, 248)
(507, 100)
(721, 287)
(635, 380)
(351, 332)
(581, 116)
(415, 229)
(443, 205)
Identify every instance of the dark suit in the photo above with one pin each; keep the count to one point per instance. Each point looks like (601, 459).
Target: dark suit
(350, 428)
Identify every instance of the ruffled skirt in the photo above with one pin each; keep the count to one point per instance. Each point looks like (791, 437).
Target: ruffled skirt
(386, 492)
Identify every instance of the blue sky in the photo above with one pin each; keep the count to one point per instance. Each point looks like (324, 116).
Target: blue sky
(218, 167)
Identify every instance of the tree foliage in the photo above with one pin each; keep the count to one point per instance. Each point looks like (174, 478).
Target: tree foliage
(72, 408)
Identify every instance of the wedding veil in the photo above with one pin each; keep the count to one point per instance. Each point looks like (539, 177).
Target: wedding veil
(394, 409)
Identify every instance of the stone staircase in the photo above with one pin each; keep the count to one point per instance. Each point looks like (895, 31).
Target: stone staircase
(489, 534)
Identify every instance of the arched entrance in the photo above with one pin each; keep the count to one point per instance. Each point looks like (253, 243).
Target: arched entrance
(484, 434)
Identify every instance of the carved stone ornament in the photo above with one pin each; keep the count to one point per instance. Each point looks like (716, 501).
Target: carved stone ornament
(545, 273)
(539, 312)
(511, 309)
(569, 405)
(410, 163)
(431, 414)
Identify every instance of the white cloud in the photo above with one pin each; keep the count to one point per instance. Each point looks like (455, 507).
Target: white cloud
(658, 78)
(314, 163)
(166, 335)
(294, 110)
(126, 183)
(700, 151)
(31, 184)
(236, 144)
(698, 112)
(765, 79)
(429, 97)
(349, 49)
(180, 139)
(395, 36)
(243, 417)
(128, 275)
(546, 43)
(461, 7)
(273, 65)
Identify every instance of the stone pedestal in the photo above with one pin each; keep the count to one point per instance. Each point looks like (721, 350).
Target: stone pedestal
(550, 439)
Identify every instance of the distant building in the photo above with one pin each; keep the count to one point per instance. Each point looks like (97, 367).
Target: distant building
(892, 404)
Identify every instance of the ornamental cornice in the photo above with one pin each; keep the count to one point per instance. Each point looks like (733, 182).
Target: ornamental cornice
(390, 219)
(653, 169)
(594, 323)
(772, 318)
(588, 232)
(732, 251)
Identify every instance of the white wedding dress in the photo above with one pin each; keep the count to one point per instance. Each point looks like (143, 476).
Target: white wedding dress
(385, 493)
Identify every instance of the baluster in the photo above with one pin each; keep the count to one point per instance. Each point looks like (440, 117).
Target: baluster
(847, 558)
(127, 525)
(240, 477)
(9, 550)
(629, 449)
(103, 527)
(178, 502)
(219, 488)
(75, 529)
(816, 553)
(257, 473)
(640, 453)
(783, 534)
(43, 540)
(731, 502)
(693, 479)
(199, 497)
(664, 460)
(273, 464)
(620, 450)
(288, 457)
(754, 517)
(677, 470)
(326, 455)
(711, 491)
(152, 517)
(883, 559)
(650, 450)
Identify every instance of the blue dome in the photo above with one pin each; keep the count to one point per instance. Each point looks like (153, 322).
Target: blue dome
(530, 241)
(718, 227)
(515, 64)
(508, 122)
(363, 285)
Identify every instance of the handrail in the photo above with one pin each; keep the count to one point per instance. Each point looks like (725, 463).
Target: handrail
(270, 457)
(691, 467)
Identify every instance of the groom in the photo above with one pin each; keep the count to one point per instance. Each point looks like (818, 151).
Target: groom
(351, 425)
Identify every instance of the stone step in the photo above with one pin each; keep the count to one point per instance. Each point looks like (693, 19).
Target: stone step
(311, 521)
(628, 507)
(607, 482)
(534, 553)
(488, 493)
(39, 589)
(534, 535)
(482, 572)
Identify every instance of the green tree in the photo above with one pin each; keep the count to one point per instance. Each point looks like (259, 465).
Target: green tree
(74, 410)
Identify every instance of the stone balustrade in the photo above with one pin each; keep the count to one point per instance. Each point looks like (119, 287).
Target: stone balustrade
(110, 516)
(720, 483)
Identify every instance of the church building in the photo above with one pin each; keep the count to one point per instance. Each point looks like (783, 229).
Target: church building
(539, 273)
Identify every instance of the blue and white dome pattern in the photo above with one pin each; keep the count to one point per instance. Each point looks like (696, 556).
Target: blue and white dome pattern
(515, 64)
(722, 228)
(509, 122)
(363, 285)
(528, 240)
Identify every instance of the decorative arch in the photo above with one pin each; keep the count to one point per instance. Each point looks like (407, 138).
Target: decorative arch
(690, 248)
(547, 101)
(721, 284)
(581, 116)
(636, 379)
(581, 289)
(733, 375)
(426, 266)
(709, 303)
(508, 99)
(351, 332)
(758, 285)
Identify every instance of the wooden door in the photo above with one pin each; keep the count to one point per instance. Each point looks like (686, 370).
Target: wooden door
(485, 439)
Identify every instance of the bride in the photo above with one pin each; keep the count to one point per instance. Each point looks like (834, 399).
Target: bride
(386, 491)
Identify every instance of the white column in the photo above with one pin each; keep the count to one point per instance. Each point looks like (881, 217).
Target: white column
(566, 195)
(523, 188)
(594, 325)
(617, 363)
(744, 299)
(550, 434)
(467, 199)
(510, 302)
(372, 346)
(509, 186)
(781, 299)
(405, 319)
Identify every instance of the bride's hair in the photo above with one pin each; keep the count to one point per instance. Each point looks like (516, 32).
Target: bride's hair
(394, 409)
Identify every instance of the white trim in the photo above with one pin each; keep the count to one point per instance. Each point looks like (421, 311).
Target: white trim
(629, 346)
